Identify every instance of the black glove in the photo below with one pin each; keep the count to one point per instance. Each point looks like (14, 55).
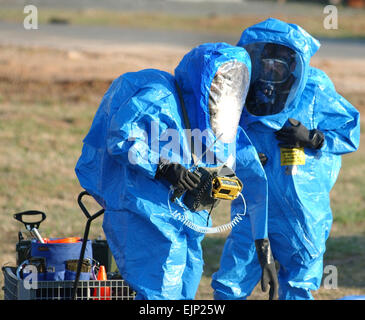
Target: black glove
(177, 175)
(263, 158)
(269, 274)
(297, 135)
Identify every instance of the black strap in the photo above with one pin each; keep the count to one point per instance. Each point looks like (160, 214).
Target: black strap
(186, 122)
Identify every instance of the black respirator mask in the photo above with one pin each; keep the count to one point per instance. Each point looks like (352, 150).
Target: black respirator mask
(273, 83)
(274, 73)
(272, 78)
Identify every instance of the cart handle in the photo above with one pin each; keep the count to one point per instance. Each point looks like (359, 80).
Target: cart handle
(82, 206)
(30, 225)
(90, 218)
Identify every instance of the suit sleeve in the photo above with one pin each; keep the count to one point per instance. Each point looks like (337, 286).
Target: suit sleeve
(337, 119)
(133, 137)
(255, 188)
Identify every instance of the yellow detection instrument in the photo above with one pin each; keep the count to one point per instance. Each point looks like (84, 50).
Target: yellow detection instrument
(226, 188)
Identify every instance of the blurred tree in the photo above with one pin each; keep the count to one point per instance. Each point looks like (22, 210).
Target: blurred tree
(356, 3)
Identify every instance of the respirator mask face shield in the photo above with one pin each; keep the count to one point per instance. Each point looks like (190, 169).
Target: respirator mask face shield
(227, 96)
(274, 70)
(275, 78)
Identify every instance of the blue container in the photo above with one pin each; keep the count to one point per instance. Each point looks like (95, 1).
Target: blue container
(71, 275)
(56, 255)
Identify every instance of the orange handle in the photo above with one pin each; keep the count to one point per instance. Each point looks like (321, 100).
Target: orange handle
(63, 240)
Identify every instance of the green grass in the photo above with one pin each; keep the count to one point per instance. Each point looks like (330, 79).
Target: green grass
(350, 25)
(350, 209)
(37, 170)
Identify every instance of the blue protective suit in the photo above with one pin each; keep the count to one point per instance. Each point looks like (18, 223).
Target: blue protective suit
(300, 216)
(159, 256)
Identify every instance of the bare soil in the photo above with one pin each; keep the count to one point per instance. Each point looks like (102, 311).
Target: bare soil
(34, 74)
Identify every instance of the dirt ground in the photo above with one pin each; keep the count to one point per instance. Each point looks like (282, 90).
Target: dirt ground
(39, 73)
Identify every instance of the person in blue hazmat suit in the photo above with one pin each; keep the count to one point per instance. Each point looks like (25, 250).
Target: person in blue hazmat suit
(138, 150)
(300, 126)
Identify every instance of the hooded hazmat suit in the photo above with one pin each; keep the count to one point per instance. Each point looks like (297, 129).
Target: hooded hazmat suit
(140, 120)
(299, 180)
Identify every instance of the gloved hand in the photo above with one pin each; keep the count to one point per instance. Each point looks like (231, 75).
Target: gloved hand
(177, 175)
(297, 135)
(263, 158)
(269, 274)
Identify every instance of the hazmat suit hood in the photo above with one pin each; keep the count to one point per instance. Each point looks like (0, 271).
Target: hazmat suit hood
(214, 81)
(303, 46)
